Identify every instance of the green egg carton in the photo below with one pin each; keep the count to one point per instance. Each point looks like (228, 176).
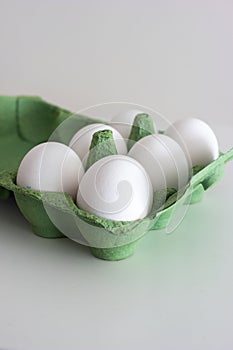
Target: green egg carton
(27, 121)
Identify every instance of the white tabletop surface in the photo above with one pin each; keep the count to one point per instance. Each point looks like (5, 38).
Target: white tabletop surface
(176, 291)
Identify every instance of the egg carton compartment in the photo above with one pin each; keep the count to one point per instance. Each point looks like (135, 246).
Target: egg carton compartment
(27, 121)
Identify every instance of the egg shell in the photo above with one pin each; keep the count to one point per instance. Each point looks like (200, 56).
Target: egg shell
(81, 141)
(116, 187)
(123, 121)
(51, 166)
(164, 161)
(197, 140)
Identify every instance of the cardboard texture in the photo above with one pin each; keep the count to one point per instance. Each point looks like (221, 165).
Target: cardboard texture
(27, 121)
(102, 145)
(143, 125)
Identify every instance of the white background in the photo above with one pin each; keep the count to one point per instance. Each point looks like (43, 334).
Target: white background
(176, 291)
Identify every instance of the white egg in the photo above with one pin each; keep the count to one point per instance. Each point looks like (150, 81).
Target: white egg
(164, 161)
(116, 187)
(81, 141)
(123, 121)
(197, 140)
(51, 166)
